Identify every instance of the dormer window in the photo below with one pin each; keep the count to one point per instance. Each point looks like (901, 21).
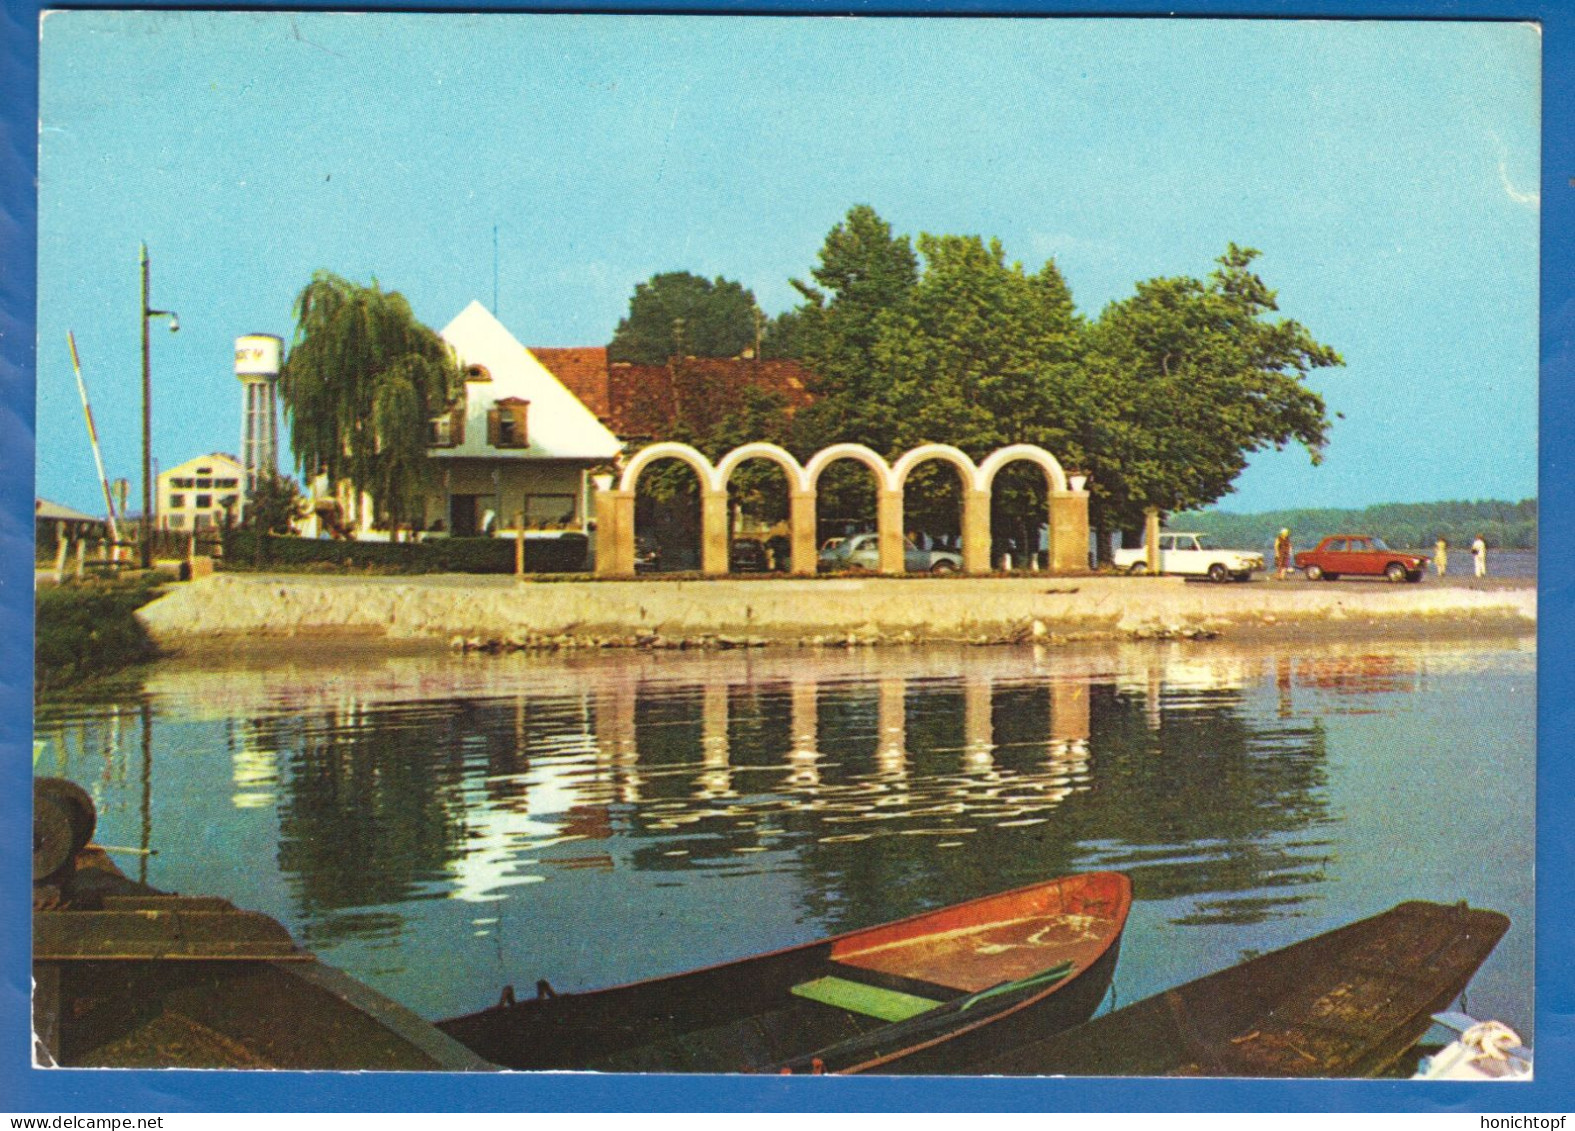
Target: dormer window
(477, 373)
(448, 430)
(506, 424)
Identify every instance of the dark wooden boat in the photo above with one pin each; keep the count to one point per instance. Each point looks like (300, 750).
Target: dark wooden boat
(1348, 1003)
(908, 996)
(130, 977)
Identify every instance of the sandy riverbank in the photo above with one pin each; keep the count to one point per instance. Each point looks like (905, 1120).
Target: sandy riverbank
(406, 612)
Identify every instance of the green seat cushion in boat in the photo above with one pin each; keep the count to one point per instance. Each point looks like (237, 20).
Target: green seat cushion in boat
(872, 1001)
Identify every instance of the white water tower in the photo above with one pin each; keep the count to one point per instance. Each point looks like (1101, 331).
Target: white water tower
(257, 360)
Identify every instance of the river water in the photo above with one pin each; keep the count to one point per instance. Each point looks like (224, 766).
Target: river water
(439, 826)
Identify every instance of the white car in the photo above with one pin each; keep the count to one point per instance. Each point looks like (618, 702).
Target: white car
(862, 552)
(1187, 555)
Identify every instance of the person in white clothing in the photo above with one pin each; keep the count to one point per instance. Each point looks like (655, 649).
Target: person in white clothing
(1479, 556)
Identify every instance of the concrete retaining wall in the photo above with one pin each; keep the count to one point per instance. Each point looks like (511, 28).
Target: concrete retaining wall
(252, 605)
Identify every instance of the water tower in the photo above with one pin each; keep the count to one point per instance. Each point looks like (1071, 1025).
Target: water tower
(257, 358)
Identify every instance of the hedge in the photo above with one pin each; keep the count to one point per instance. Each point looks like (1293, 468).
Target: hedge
(565, 554)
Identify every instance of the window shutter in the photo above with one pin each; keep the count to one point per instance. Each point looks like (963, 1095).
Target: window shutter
(492, 426)
(521, 437)
(456, 426)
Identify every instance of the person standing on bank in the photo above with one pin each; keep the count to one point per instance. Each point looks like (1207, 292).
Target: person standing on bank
(1441, 556)
(1479, 556)
(1282, 554)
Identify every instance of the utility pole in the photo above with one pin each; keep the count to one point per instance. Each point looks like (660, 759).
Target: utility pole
(147, 414)
(145, 530)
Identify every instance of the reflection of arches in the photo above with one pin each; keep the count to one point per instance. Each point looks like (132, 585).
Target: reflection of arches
(1067, 518)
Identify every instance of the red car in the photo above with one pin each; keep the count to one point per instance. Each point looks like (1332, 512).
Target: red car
(1359, 554)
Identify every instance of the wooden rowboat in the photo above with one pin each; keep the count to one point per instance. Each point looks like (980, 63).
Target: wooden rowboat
(126, 976)
(908, 996)
(1348, 1003)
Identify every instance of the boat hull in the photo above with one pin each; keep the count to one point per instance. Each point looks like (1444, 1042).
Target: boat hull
(1348, 1003)
(127, 976)
(752, 1016)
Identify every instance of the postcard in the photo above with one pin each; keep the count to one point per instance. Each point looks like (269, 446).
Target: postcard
(686, 547)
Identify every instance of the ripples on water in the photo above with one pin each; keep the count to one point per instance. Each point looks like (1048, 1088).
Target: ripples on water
(441, 826)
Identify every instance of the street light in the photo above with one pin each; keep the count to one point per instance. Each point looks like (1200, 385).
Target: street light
(147, 414)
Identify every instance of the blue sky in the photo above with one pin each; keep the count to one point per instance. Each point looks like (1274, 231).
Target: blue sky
(1388, 171)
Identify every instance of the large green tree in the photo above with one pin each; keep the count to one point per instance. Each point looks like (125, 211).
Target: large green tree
(1196, 379)
(677, 314)
(864, 274)
(362, 382)
(980, 355)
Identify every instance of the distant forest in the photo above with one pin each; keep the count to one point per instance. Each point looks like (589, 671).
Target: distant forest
(1504, 526)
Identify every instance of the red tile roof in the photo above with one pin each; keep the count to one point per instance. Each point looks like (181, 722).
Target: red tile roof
(583, 371)
(647, 400)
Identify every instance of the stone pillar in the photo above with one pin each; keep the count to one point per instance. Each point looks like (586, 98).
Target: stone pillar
(976, 531)
(801, 520)
(888, 518)
(1151, 539)
(713, 531)
(1069, 532)
(614, 533)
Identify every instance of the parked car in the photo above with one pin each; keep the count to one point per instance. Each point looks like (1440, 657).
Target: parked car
(862, 551)
(1186, 554)
(1359, 554)
(748, 555)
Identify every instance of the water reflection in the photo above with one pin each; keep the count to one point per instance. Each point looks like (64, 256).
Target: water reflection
(410, 806)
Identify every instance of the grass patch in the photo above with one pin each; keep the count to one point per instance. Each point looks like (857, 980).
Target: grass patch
(86, 630)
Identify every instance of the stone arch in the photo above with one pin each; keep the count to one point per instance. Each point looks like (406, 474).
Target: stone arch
(870, 458)
(801, 500)
(888, 496)
(944, 452)
(1031, 452)
(975, 500)
(669, 449)
(713, 505)
(798, 478)
(1068, 518)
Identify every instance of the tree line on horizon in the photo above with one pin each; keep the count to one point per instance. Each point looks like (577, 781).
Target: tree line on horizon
(1502, 525)
(1160, 399)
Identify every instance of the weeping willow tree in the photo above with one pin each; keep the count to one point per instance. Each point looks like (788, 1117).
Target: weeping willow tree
(362, 382)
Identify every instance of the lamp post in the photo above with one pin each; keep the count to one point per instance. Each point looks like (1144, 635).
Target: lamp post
(147, 414)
